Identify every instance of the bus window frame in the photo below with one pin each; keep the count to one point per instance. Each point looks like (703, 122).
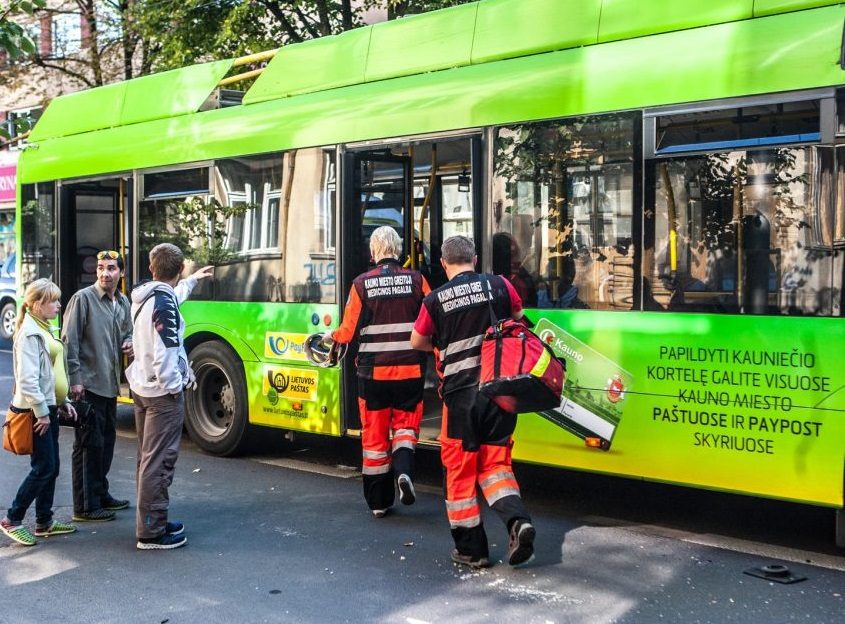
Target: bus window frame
(827, 119)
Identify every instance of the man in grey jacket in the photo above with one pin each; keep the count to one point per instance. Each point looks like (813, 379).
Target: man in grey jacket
(157, 377)
(96, 328)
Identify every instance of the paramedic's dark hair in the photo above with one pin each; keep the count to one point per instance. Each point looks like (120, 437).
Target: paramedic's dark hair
(457, 250)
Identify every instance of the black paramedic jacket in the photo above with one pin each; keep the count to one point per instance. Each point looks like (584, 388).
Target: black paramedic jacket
(390, 302)
(461, 316)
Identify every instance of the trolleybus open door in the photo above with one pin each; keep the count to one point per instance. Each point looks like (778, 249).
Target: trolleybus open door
(93, 217)
(427, 190)
(377, 192)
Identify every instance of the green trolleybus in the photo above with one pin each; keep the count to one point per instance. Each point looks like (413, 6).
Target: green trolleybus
(663, 183)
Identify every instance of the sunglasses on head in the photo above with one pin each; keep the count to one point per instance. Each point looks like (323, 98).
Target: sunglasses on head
(112, 255)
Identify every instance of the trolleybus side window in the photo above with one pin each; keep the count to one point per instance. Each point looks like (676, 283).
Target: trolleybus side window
(266, 223)
(38, 231)
(742, 231)
(280, 246)
(563, 211)
(172, 206)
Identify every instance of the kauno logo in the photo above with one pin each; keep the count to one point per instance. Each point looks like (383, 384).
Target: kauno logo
(278, 381)
(548, 336)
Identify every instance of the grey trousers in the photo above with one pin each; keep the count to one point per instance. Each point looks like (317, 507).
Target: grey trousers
(158, 422)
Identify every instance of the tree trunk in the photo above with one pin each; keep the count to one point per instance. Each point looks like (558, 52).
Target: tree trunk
(346, 14)
(325, 24)
(129, 41)
(89, 40)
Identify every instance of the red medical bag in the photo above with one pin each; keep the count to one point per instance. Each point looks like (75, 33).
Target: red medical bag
(519, 372)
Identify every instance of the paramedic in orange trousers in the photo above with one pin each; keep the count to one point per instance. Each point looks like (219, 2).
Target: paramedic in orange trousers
(380, 311)
(475, 438)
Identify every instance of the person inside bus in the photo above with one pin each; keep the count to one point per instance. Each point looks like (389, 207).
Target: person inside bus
(380, 311)
(508, 261)
(97, 330)
(41, 384)
(476, 436)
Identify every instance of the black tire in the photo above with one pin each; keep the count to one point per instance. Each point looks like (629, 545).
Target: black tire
(217, 412)
(8, 314)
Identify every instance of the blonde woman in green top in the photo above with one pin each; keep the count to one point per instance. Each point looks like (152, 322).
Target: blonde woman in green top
(41, 385)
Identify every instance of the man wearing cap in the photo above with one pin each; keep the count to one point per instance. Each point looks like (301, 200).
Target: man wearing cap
(97, 328)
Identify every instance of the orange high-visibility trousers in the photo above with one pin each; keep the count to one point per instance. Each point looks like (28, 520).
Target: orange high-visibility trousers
(488, 467)
(390, 427)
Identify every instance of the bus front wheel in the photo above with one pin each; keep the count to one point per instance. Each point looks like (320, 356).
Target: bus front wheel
(217, 413)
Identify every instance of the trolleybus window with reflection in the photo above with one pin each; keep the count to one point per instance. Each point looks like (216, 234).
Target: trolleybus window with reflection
(741, 231)
(280, 246)
(173, 209)
(38, 232)
(267, 224)
(563, 211)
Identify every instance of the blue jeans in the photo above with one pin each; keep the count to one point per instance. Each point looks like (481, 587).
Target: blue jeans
(40, 483)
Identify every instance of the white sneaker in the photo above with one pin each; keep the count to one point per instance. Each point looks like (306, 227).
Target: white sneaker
(379, 513)
(406, 490)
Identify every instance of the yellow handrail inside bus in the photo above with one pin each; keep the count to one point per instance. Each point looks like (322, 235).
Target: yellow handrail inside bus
(121, 198)
(737, 215)
(432, 179)
(673, 216)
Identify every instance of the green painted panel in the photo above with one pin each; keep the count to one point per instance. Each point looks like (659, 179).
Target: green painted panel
(727, 60)
(251, 340)
(621, 19)
(171, 93)
(270, 345)
(511, 28)
(422, 43)
(151, 97)
(325, 63)
(747, 404)
(770, 7)
(82, 111)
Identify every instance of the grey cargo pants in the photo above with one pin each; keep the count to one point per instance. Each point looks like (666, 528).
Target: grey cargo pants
(158, 422)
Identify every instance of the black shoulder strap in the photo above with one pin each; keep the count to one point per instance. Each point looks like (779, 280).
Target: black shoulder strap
(485, 288)
(141, 305)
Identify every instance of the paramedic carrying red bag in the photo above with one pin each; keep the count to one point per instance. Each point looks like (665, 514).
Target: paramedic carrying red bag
(519, 372)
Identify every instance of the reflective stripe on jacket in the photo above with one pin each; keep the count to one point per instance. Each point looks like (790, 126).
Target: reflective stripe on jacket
(383, 304)
(461, 316)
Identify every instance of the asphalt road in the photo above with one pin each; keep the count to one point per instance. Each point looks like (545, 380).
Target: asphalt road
(284, 536)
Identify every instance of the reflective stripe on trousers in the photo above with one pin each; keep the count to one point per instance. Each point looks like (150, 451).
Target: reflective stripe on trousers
(404, 438)
(463, 513)
(497, 485)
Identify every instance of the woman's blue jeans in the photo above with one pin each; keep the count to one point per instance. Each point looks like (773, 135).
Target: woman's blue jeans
(40, 483)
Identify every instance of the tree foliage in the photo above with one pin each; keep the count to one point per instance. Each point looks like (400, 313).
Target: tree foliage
(122, 39)
(175, 33)
(195, 225)
(14, 40)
